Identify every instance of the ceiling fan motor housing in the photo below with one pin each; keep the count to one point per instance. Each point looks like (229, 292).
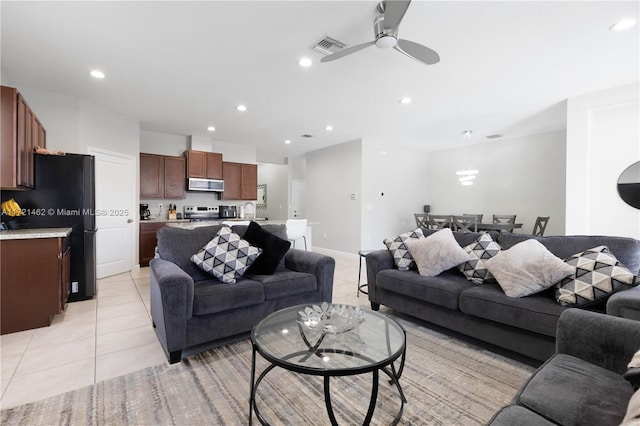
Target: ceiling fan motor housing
(384, 38)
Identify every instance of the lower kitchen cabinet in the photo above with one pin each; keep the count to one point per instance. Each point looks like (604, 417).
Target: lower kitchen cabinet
(148, 241)
(35, 281)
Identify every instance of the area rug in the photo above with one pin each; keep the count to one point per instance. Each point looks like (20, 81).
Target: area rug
(446, 382)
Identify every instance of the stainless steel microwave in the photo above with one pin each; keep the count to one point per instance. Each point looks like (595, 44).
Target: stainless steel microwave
(210, 185)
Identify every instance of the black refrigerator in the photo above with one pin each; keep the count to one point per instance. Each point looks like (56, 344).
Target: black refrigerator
(64, 197)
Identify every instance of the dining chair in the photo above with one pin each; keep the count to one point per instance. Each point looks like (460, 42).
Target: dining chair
(422, 220)
(478, 216)
(540, 225)
(505, 218)
(439, 221)
(296, 229)
(465, 223)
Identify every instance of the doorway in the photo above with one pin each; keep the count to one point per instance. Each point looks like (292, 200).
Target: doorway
(115, 211)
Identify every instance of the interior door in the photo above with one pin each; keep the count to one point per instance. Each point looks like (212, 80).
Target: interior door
(116, 212)
(298, 194)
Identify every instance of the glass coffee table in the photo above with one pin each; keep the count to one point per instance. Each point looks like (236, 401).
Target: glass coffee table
(329, 340)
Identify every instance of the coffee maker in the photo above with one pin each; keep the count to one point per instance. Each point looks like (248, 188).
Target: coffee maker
(144, 212)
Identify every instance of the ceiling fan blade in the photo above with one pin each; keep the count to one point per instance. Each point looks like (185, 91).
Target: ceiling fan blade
(418, 52)
(394, 11)
(347, 51)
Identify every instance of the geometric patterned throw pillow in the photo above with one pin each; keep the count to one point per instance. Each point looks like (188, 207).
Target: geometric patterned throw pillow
(598, 275)
(226, 256)
(399, 250)
(480, 250)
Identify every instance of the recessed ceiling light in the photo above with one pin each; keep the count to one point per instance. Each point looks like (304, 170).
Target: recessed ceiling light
(405, 100)
(287, 141)
(211, 129)
(97, 74)
(241, 107)
(328, 128)
(625, 24)
(305, 62)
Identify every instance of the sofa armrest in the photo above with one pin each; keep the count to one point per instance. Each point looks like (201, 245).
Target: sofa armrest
(313, 263)
(377, 261)
(600, 339)
(171, 302)
(625, 304)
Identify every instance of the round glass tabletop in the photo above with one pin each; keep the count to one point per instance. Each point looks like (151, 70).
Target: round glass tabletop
(328, 339)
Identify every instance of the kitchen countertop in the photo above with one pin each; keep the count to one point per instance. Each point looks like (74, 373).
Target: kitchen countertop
(26, 234)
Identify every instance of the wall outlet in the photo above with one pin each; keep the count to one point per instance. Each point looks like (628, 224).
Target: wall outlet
(74, 287)
(353, 196)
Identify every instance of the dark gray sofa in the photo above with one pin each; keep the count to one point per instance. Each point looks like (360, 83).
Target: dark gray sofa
(191, 309)
(583, 383)
(524, 325)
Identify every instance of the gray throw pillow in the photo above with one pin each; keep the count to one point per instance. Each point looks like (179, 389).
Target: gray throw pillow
(527, 268)
(436, 253)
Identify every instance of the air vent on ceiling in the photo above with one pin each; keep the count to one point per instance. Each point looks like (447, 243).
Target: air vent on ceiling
(496, 136)
(328, 45)
(306, 135)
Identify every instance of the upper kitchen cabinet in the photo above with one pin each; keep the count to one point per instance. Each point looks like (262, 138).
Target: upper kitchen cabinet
(240, 181)
(21, 133)
(205, 165)
(162, 176)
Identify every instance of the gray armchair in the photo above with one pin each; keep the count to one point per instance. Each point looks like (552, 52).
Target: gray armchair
(583, 383)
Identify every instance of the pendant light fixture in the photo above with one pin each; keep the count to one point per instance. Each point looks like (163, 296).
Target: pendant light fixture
(467, 175)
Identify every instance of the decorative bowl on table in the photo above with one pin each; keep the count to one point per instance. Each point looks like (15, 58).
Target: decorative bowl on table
(331, 319)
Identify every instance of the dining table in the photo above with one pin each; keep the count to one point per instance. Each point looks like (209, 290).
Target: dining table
(498, 226)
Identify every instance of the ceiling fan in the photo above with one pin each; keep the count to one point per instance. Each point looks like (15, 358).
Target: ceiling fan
(385, 29)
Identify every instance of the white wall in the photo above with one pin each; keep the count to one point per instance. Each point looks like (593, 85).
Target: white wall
(524, 176)
(332, 174)
(401, 175)
(603, 139)
(275, 177)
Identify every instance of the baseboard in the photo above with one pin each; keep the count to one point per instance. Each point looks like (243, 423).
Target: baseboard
(330, 252)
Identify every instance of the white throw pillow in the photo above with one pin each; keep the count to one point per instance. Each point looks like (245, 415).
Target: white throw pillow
(436, 253)
(527, 268)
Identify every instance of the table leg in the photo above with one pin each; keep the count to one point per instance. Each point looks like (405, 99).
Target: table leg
(252, 389)
(374, 398)
(327, 401)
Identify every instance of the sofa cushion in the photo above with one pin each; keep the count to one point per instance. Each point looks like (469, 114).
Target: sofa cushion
(436, 253)
(627, 250)
(538, 313)
(286, 283)
(517, 415)
(569, 390)
(398, 248)
(527, 268)
(212, 296)
(273, 249)
(226, 256)
(480, 250)
(598, 275)
(177, 245)
(443, 290)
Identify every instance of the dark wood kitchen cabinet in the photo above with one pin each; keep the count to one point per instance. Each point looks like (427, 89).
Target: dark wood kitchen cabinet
(22, 131)
(240, 181)
(204, 165)
(148, 241)
(35, 275)
(162, 176)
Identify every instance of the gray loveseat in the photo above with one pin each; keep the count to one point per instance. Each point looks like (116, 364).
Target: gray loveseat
(193, 310)
(525, 325)
(583, 383)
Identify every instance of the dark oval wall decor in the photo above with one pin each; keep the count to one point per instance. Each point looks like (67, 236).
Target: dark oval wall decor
(629, 185)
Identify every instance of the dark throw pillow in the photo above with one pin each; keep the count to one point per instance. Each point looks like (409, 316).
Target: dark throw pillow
(273, 249)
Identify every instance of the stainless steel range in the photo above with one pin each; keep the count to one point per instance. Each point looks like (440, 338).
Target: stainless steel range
(199, 213)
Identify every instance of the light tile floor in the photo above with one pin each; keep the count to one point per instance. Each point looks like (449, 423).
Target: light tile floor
(107, 336)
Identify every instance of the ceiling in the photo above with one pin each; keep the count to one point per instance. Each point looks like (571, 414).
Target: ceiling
(506, 66)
